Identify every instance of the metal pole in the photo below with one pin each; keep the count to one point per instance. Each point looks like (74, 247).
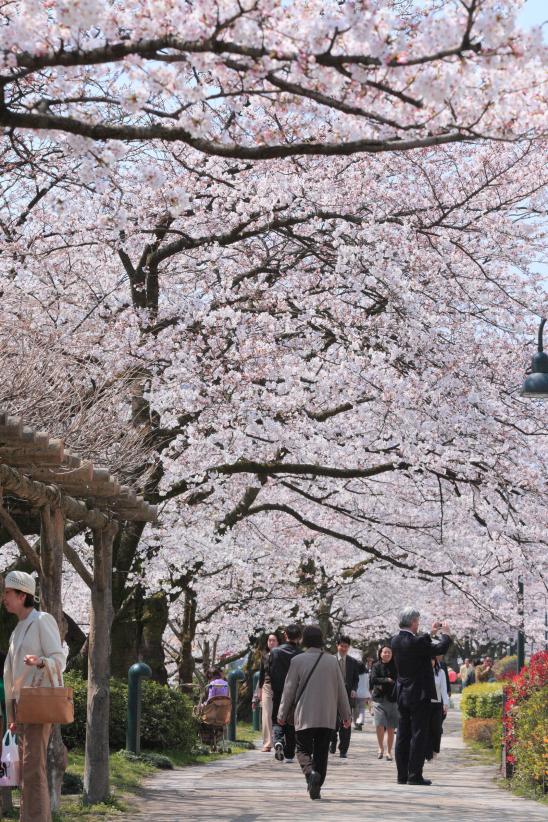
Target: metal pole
(137, 672)
(521, 632)
(257, 709)
(233, 678)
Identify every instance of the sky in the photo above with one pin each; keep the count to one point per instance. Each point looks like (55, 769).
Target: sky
(534, 13)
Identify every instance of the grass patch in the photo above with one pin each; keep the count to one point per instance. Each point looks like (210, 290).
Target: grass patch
(245, 733)
(125, 777)
(482, 755)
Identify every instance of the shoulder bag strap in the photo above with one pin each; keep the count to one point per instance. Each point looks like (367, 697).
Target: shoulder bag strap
(307, 680)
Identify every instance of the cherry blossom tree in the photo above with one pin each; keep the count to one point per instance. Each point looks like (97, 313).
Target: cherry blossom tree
(312, 363)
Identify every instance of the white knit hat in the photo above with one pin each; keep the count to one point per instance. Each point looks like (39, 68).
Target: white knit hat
(20, 581)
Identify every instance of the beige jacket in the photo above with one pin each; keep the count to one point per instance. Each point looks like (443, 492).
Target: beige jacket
(38, 634)
(324, 696)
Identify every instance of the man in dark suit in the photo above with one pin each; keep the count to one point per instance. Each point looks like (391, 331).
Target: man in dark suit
(277, 666)
(415, 689)
(351, 670)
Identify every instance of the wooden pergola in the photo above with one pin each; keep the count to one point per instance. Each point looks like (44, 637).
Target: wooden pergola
(62, 487)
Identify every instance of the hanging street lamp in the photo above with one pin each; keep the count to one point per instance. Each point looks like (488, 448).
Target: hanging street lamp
(536, 384)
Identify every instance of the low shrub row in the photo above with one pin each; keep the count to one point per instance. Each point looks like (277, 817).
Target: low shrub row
(525, 727)
(482, 701)
(485, 731)
(530, 748)
(166, 716)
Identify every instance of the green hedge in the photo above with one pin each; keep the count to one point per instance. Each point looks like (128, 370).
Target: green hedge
(530, 746)
(166, 716)
(482, 701)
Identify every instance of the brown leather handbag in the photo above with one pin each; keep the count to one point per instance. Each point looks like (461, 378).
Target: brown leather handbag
(39, 705)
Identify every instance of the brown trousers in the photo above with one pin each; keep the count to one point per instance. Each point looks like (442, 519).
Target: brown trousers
(33, 748)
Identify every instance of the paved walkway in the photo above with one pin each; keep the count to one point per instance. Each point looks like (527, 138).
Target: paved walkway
(251, 787)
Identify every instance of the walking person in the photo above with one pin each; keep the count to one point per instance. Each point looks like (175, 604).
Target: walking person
(350, 670)
(278, 664)
(385, 711)
(315, 691)
(34, 644)
(265, 693)
(438, 711)
(363, 699)
(413, 653)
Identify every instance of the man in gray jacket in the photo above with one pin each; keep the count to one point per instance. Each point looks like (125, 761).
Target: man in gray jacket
(315, 691)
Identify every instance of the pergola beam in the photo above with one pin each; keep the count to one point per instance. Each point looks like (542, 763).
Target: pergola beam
(38, 494)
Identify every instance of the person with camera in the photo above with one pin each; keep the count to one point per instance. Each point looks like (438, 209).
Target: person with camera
(415, 690)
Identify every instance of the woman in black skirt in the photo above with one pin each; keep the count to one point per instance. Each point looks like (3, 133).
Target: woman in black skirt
(438, 713)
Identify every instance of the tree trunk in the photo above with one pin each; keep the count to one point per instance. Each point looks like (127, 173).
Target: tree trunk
(96, 768)
(153, 624)
(6, 802)
(186, 660)
(206, 657)
(52, 538)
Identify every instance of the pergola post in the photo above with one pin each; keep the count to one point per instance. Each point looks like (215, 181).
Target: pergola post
(96, 768)
(52, 539)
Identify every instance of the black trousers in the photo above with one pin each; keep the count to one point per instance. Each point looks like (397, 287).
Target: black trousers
(344, 735)
(313, 750)
(411, 740)
(435, 730)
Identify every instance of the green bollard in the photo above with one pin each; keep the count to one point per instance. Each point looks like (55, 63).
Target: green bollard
(233, 678)
(257, 710)
(133, 737)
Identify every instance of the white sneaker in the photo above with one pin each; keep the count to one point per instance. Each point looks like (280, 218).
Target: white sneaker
(290, 759)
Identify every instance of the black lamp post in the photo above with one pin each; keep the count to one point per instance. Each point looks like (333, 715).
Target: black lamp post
(521, 631)
(536, 384)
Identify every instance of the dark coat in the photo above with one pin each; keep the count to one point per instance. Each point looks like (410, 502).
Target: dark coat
(353, 669)
(381, 688)
(277, 665)
(413, 658)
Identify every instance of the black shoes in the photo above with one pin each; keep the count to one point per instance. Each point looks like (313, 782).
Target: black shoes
(402, 781)
(314, 785)
(343, 755)
(418, 780)
(279, 752)
(333, 748)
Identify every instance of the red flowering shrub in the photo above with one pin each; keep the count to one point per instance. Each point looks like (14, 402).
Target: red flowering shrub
(531, 678)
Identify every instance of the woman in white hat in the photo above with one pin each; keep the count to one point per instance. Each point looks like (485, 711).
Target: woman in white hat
(35, 643)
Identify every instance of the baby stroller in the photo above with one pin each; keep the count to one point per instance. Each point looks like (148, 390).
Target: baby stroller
(214, 716)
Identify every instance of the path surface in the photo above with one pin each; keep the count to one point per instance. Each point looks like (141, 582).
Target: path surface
(252, 786)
